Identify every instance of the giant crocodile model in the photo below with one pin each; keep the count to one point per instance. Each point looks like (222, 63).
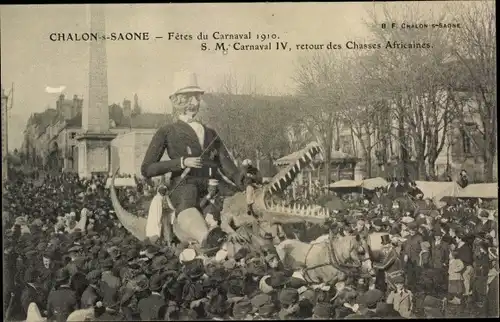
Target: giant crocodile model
(268, 204)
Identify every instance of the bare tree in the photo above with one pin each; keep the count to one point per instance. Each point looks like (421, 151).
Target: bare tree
(317, 80)
(416, 81)
(250, 125)
(360, 110)
(475, 49)
(230, 85)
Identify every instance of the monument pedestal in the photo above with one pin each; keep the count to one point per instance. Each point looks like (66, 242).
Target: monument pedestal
(94, 153)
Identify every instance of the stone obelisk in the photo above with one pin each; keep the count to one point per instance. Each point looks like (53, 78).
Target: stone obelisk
(94, 143)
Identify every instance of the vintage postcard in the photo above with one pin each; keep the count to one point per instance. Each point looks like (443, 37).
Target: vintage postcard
(249, 161)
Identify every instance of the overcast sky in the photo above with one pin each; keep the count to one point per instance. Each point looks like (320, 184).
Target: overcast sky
(31, 61)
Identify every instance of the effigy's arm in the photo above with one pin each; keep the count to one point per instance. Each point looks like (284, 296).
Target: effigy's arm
(227, 166)
(151, 165)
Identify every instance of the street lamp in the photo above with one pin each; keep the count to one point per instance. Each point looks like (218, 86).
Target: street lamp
(5, 150)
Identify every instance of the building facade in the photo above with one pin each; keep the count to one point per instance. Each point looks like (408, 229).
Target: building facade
(50, 138)
(128, 151)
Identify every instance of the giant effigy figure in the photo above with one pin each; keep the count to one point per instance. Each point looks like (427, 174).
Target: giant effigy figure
(197, 154)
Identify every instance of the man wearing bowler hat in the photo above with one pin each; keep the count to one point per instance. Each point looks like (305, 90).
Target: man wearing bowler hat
(196, 154)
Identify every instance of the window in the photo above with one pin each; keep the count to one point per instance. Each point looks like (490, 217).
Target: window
(72, 135)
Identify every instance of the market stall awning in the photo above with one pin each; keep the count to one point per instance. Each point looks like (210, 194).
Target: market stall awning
(122, 182)
(438, 190)
(342, 184)
(480, 190)
(374, 183)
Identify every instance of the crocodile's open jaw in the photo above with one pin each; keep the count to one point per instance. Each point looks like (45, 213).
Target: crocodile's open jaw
(267, 199)
(280, 182)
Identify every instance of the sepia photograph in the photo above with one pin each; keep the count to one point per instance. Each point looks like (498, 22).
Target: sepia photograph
(249, 161)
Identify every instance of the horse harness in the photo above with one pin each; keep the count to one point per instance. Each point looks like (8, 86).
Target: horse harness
(333, 261)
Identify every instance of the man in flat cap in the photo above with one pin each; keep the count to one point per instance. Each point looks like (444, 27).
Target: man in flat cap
(196, 154)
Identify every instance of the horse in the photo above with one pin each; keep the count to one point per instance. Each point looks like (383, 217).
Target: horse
(328, 261)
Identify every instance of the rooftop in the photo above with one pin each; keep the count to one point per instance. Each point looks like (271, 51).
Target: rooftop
(43, 119)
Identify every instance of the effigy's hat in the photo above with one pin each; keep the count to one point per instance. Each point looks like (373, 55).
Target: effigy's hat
(186, 82)
(213, 182)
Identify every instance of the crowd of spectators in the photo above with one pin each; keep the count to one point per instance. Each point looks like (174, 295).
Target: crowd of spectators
(68, 258)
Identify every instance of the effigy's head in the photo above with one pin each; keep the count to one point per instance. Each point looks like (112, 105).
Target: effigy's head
(186, 98)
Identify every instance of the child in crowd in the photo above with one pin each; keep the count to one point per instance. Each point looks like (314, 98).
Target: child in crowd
(455, 284)
(401, 298)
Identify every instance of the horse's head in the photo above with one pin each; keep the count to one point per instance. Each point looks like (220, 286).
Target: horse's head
(364, 255)
(355, 249)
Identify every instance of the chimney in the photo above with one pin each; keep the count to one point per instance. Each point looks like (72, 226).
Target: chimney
(74, 106)
(59, 104)
(127, 108)
(137, 108)
(79, 106)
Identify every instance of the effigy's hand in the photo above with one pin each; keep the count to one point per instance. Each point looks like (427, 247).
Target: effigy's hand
(192, 162)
